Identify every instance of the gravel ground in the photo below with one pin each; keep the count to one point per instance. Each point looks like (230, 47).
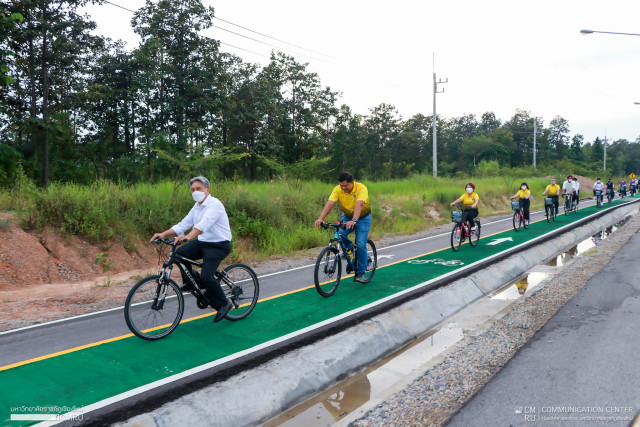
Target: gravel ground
(443, 389)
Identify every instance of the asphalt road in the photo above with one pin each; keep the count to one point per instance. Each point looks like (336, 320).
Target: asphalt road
(27, 343)
(579, 369)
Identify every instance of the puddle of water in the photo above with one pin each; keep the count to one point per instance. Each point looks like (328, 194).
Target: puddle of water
(516, 289)
(344, 398)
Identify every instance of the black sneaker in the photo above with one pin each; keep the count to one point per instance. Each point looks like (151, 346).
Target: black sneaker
(222, 311)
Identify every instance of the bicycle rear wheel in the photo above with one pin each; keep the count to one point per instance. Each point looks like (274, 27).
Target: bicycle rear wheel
(240, 285)
(372, 261)
(456, 237)
(327, 272)
(517, 221)
(153, 308)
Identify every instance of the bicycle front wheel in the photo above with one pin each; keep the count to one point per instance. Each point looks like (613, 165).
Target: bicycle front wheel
(328, 271)
(372, 261)
(567, 207)
(517, 221)
(240, 285)
(153, 308)
(456, 237)
(547, 212)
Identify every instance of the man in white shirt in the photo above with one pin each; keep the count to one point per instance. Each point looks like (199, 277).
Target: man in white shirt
(209, 226)
(568, 185)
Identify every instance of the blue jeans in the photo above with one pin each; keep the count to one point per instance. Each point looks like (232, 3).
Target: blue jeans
(363, 225)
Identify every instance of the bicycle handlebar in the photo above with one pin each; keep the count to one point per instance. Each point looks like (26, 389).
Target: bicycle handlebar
(336, 225)
(167, 241)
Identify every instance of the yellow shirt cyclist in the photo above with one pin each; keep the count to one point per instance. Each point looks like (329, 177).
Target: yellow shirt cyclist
(553, 191)
(470, 200)
(523, 195)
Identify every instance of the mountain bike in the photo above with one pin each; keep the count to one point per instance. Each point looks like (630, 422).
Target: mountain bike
(518, 215)
(598, 197)
(328, 270)
(550, 209)
(155, 305)
(610, 195)
(570, 204)
(462, 231)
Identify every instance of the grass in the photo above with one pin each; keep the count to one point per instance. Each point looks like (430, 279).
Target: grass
(267, 218)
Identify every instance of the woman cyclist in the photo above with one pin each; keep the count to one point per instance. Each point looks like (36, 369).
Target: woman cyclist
(523, 195)
(470, 202)
(623, 188)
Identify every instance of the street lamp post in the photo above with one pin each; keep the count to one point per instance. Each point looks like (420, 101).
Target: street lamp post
(434, 126)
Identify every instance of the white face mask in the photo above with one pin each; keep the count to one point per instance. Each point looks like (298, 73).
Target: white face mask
(198, 196)
(568, 180)
(523, 188)
(469, 190)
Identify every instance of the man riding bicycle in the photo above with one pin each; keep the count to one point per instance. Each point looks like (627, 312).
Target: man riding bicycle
(356, 213)
(598, 186)
(568, 188)
(209, 226)
(554, 191)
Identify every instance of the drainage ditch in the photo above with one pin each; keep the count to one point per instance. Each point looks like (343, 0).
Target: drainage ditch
(393, 372)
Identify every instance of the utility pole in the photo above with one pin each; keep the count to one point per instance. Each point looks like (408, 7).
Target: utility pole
(604, 160)
(434, 130)
(535, 131)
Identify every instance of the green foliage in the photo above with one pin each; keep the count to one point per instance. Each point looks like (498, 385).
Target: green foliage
(103, 261)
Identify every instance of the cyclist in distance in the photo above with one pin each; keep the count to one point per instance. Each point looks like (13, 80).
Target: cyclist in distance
(523, 195)
(209, 226)
(553, 190)
(567, 186)
(623, 187)
(610, 186)
(576, 190)
(470, 202)
(356, 213)
(598, 186)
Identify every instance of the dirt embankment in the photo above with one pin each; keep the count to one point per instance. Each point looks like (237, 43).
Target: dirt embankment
(45, 276)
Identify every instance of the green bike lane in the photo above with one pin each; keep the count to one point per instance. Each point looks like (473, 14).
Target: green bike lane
(110, 371)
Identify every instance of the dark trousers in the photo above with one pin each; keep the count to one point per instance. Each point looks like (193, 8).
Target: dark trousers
(525, 204)
(556, 202)
(469, 215)
(211, 254)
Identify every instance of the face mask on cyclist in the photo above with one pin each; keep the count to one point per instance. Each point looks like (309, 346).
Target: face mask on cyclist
(523, 188)
(469, 190)
(198, 196)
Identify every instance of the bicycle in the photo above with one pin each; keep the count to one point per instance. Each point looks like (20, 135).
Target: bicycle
(518, 215)
(155, 305)
(623, 192)
(328, 269)
(461, 231)
(632, 190)
(570, 204)
(550, 209)
(598, 198)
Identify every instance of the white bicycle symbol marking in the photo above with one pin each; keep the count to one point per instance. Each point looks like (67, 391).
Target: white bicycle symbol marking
(439, 261)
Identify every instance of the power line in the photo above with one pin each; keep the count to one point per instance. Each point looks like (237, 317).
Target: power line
(268, 44)
(247, 37)
(272, 38)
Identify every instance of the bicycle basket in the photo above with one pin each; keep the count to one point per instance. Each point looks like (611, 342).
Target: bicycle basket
(515, 205)
(598, 192)
(548, 201)
(456, 216)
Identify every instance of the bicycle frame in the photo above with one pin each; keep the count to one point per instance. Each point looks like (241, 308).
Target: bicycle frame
(337, 239)
(180, 261)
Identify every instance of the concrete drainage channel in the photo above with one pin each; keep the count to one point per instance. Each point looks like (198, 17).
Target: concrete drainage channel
(259, 394)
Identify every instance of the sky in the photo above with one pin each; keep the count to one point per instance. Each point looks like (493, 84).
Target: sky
(498, 56)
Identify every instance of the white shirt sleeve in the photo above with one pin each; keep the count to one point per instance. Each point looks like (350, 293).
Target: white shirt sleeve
(186, 223)
(211, 215)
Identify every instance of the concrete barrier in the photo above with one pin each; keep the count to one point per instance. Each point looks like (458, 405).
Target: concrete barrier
(259, 394)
